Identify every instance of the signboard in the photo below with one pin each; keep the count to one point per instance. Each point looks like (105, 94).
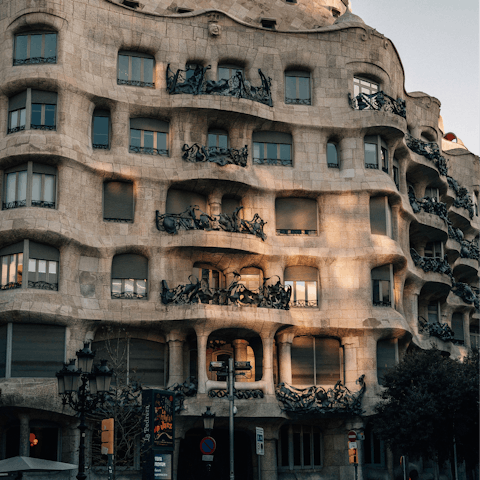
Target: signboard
(162, 466)
(260, 441)
(208, 445)
(352, 445)
(352, 436)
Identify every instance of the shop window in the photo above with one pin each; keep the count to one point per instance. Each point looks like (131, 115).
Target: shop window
(299, 447)
(101, 129)
(382, 281)
(149, 136)
(332, 155)
(31, 350)
(374, 448)
(362, 85)
(387, 354)
(30, 184)
(297, 88)
(225, 72)
(118, 202)
(180, 200)
(272, 148)
(42, 261)
(434, 250)
(376, 153)
(296, 216)
(217, 139)
(129, 276)
(303, 281)
(135, 69)
(457, 327)
(34, 48)
(315, 361)
(380, 216)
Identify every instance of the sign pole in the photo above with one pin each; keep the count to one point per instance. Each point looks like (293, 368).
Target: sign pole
(231, 373)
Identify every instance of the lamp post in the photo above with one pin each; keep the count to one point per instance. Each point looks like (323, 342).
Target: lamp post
(83, 389)
(229, 370)
(208, 421)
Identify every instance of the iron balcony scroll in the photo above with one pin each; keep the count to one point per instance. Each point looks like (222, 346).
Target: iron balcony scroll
(188, 220)
(236, 86)
(378, 101)
(188, 388)
(268, 296)
(463, 199)
(240, 394)
(34, 60)
(468, 249)
(466, 293)
(429, 205)
(439, 330)
(317, 400)
(429, 150)
(432, 264)
(221, 156)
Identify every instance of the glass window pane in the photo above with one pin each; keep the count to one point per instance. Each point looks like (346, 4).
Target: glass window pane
(135, 137)
(14, 119)
(23, 116)
(291, 87)
(307, 458)
(52, 267)
(285, 152)
(162, 141)
(376, 291)
(356, 90)
(284, 445)
(148, 139)
(35, 46)
(49, 192)
(116, 285)
(37, 187)
(42, 266)
(385, 285)
(272, 150)
(32, 265)
(304, 88)
(129, 284)
(223, 141)
(300, 291)
(50, 45)
(332, 154)
(296, 447)
(212, 140)
(141, 287)
(5, 262)
(100, 130)
(312, 293)
(11, 182)
(19, 267)
(36, 114)
(148, 70)
(371, 153)
(12, 269)
(258, 150)
(123, 67)
(136, 68)
(223, 73)
(316, 447)
(22, 186)
(21, 47)
(50, 115)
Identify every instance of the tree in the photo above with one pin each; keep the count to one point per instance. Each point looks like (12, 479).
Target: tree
(430, 401)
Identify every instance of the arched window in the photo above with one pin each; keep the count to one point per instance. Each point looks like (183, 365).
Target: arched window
(35, 47)
(363, 85)
(303, 281)
(300, 447)
(376, 153)
(296, 216)
(118, 202)
(332, 155)
(30, 185)
(272, 148)
(380, 216)
(457, 327)
(101, 129)
(387, 356)
(129, 276)
(135, 69)
(382, 286)
(297, 88)
(148, 135)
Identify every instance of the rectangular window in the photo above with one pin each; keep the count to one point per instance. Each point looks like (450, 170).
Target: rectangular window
(297, 88)
(135, 69)
(16, 120)
(382, 278)
(434, 250)
(11, 271)
(361, 85)
(371, 158)
(101, 129)
(272, 154)
(148, 142)
(129, 288)
(226, 72)
(35, 48)
(219, 140)
(380, 216)
(299, 447)
(433, 193)
(433, 312)
(118, 202)
(42, 274)
(332, 156)
(43, 117)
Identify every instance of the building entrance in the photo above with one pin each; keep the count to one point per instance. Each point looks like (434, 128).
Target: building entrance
(191, 466)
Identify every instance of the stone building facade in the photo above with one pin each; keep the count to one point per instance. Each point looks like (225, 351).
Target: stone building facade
(210, 180)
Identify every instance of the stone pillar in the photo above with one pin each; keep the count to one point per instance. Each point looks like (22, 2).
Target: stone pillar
(267, 342)
(240, 347)
(389, 459)
(24, 435)
(214, 201)
(350, 345)
(415, 314)
(202, 362)
(284, 343)
(466, 329)
(268, 462)
(175, 340)
(229, 276)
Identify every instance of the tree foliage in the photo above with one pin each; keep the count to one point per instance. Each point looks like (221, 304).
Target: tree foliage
(429, 400)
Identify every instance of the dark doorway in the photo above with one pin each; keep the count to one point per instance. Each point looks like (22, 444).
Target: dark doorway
(191, 466)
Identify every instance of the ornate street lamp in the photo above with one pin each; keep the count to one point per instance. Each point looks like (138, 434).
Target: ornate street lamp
(83, 389)
(208, 421)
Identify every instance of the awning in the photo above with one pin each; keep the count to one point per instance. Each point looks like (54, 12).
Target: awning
(29, 464)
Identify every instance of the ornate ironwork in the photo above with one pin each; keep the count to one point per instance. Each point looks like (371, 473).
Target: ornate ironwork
(135, 83)
(41, 285)
(333, 165)
(188, 388)
(439, 330)
(468, 249)
(463, 199)
(382, 303)
(304, 304)
(10, 286)
(34, 61)
(240, 394)
(188, 220)
(129, 295)
(118, 220)
(429, 205)
(100, 146)
(43, 204)
(432, 264)
(273, 161)
(268, 296)
(430, 150)
(378, 101)
(34, 126)
(236, 86)
(317, 400)
(298, 101)
(16, 129)
(148, 150)
(466, 293)
(373, 166)
(15, 204)
(221, 156)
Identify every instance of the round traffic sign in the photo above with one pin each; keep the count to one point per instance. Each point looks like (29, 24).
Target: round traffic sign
(208, 445)
(352, 436)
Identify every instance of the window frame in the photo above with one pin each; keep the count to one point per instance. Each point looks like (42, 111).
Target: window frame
(129, 81)
(260, 144)
(232, 70)
(309, 430)
(331, 164)
(380, 292)
(35, 60)
(101, 113)
(297, 100)
(433, 193)
(381, 153)
(129, 295)
(437, 250)
(434, 310)
(371, 440)
(155, 127)
(217, 133)
(370, 89)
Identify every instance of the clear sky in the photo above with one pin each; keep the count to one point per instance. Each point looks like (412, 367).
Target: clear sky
(438, 42)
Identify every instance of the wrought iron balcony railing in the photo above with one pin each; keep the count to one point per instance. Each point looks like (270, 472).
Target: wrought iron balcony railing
(429, 150)
(378, 101)
(221, 156)
(240, 394)
(34, 61)
(188, 220)
(466, 293)
(34, 126)
(135, 83)
(304, 304)
(282, 162)
(298, 101)
(338, 400)
(43, 204)
(468, 249)
(373, 166)
(148, 150)
(286, 231)
(463, 198)
(429, 205)
(432, 264)
(15, 204)
(382, 303)
(236, 86)
(439, 330)
(100, 146)
(129, 295)
(11, 286)
(268, 296)
(16, 129)
(43, 285)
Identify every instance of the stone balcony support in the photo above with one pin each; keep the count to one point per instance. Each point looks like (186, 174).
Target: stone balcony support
(284, 342)
(175, 340)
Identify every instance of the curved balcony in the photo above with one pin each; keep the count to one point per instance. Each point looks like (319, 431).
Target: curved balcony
(429, 150)
(460, 218)
(466, 270)
(378, 101)
(433, 265)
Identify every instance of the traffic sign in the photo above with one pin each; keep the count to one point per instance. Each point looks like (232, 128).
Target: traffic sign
(352, 445)
(208, 445)
(352, 436)
(260, 441)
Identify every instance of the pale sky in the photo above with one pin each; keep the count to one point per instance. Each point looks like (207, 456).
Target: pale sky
(438, 42)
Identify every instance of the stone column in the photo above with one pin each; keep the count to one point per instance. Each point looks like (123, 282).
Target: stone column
(389, 459)
(350, 345)
(24, 435)
(268, 462)
(240, 347)
(284, 343)
(466, 329)
(214, 201)
(175, 340)
(267, 342)
(202, 362)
